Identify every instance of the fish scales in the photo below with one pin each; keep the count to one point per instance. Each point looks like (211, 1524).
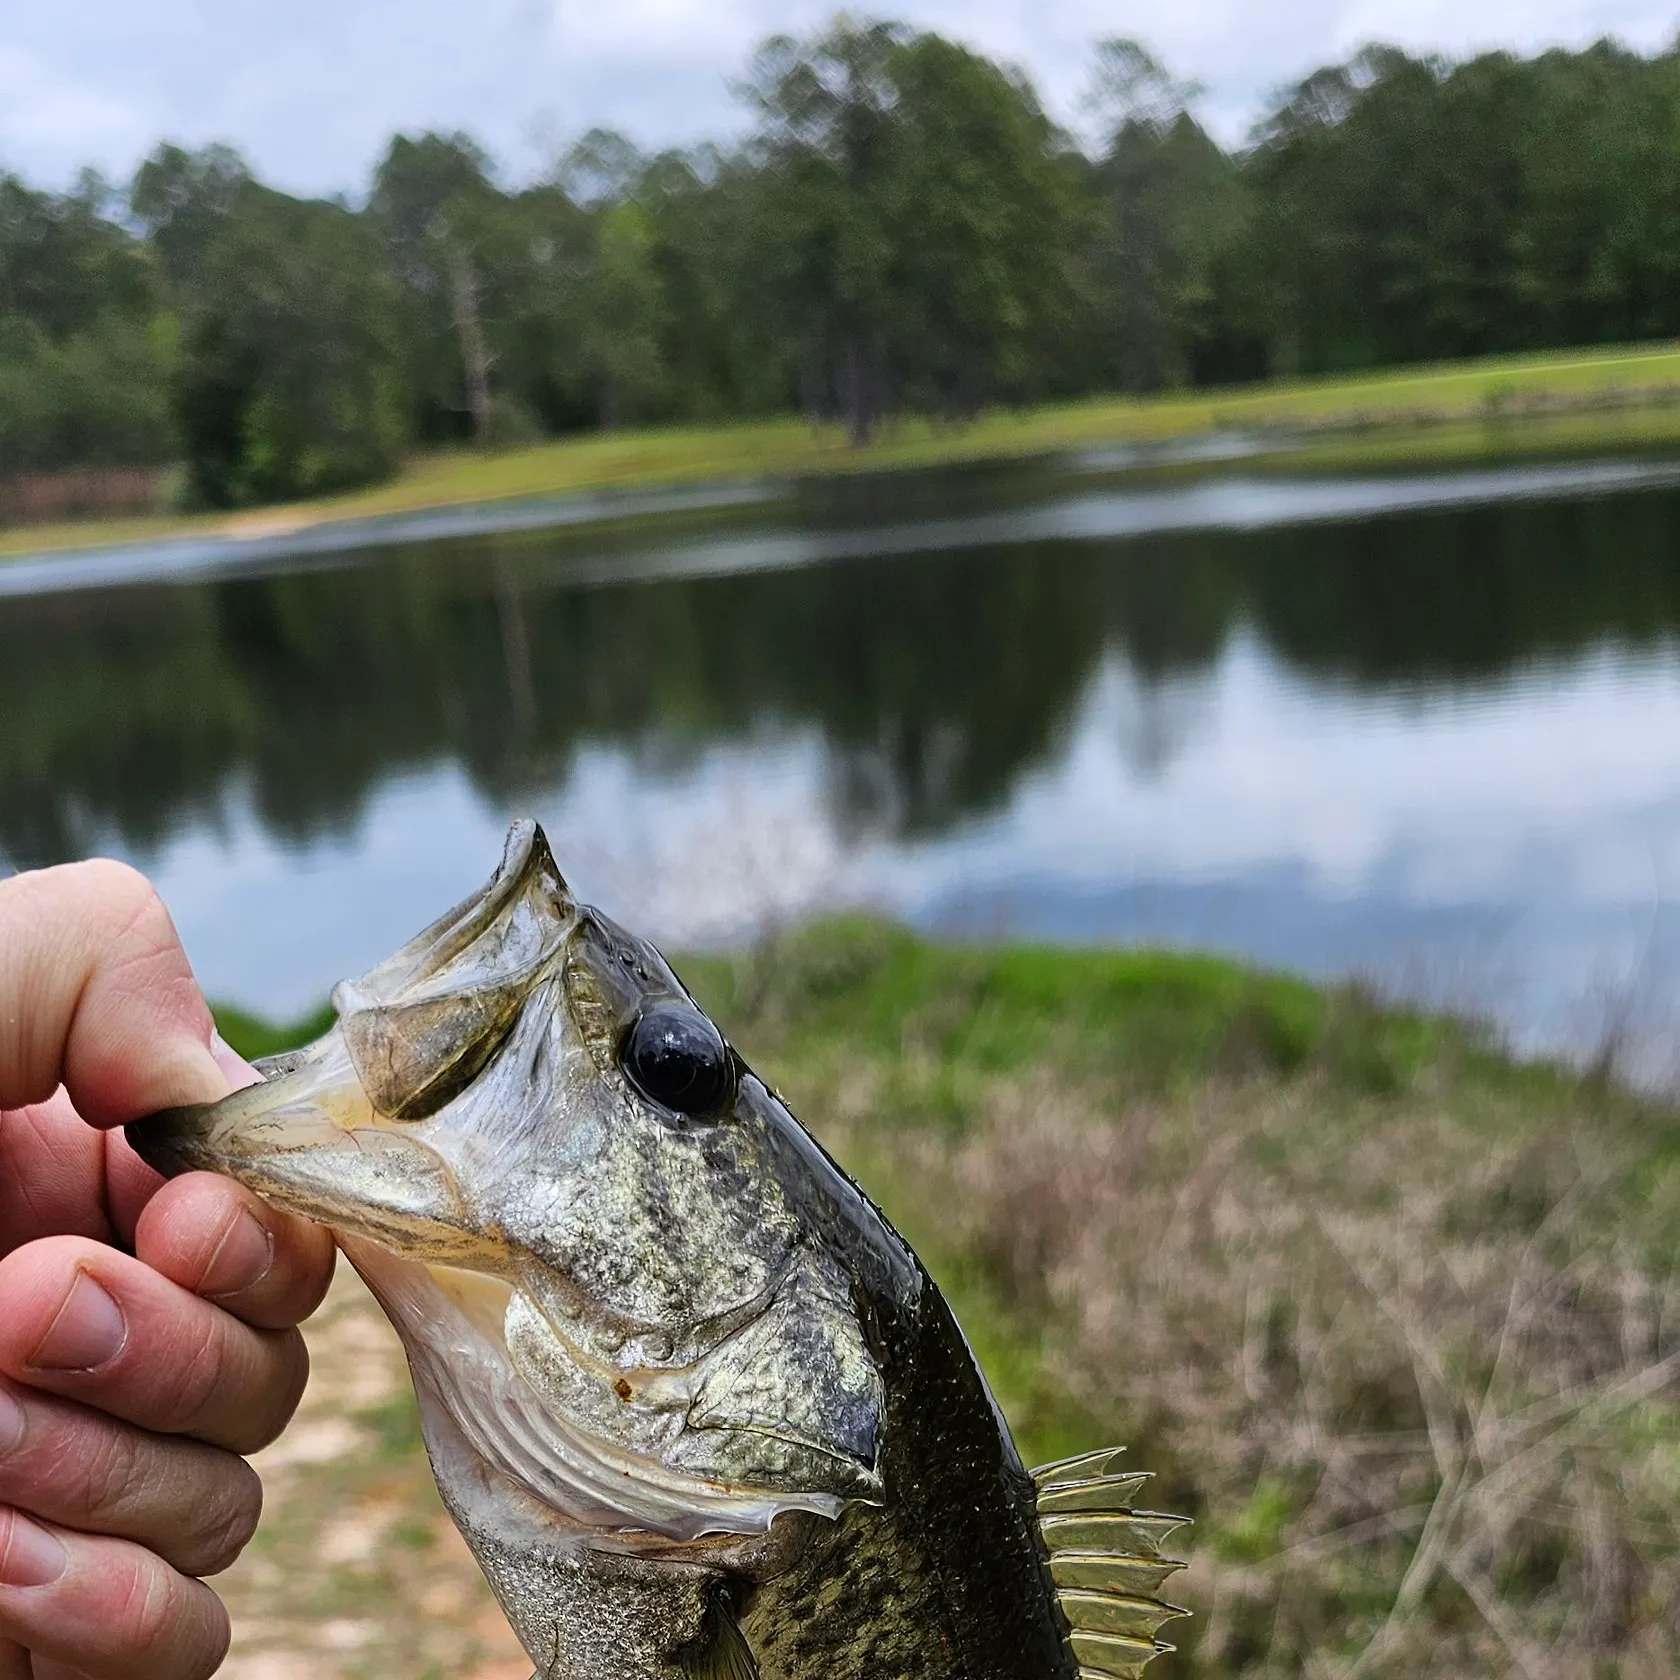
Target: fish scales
(698, 1410)
(946, 1579)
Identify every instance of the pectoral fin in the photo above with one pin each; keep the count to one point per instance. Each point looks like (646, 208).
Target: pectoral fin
(722, 1652)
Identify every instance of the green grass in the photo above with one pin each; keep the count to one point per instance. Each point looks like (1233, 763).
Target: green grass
(1328, 1265)
(1160, 1021)
(1495, 405)
(254, 1037)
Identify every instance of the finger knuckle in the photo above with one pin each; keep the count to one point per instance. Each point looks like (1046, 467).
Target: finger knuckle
(239, 1395)
(168, 1627)
(149, 1616)
(286, 1376)
(200, 1377)
(110, 1464)
(128, 901)
(230, 1520)
(19, 1269)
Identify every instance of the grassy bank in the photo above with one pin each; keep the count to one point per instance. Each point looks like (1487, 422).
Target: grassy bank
(1566, 401)
(1390, 1315)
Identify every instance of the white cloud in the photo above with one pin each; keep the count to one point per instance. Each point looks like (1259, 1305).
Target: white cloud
(45, 111)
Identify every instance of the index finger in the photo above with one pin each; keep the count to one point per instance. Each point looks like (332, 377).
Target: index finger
(96, 994)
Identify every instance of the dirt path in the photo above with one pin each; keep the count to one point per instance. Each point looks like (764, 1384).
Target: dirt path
(356, 1571)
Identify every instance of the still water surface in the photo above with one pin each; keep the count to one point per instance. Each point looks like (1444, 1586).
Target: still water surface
(1424, 729)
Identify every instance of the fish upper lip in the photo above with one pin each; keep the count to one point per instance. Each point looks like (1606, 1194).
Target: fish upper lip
(289, 1137)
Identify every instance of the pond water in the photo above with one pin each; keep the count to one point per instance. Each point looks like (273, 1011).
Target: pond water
(1424, 729)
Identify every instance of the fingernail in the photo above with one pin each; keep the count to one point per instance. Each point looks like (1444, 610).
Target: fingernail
(29, 1555)
(11, 1422)
(194, 1073)
(89, 1330)
(238, 1071)
(242, 1258)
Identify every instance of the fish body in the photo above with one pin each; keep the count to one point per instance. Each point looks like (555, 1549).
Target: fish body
(697, 1408)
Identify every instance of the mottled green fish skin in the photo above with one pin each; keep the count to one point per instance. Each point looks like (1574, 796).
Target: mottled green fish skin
(947, 1579)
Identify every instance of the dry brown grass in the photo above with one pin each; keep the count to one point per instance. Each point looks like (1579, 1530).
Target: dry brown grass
(1417, 1379)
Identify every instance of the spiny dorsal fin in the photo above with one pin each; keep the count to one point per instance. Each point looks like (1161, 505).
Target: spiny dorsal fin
(1104, 1462)
(1100, 1493)
(1106, 1563)
(722, 1652)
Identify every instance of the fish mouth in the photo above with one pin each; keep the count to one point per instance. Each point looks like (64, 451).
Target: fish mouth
(375, 1131)
(331, 1131)
(308, 1140)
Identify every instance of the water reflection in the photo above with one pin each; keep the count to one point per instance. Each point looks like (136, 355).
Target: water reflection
(1444, 744)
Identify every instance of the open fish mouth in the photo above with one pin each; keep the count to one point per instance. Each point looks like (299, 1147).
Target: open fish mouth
(568, 1195)
(335, 1131)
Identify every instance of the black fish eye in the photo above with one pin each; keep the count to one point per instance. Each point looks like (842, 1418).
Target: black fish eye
(677, 1058)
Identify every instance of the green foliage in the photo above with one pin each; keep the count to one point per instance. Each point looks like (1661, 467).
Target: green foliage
(625, 313)
(65, 265)
(440, 219)
(1160, 1020)
(1255, 1533)
(252, 1037)
(1171, 208)
(1410, 207)
(181, 199)
(98, 397)
(915, 217)
(983, 214)
(288, 384)
(85, 350)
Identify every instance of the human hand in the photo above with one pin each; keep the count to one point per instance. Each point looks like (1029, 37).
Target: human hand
(147, 1330)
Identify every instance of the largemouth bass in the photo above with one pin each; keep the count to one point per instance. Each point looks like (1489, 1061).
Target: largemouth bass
(697, 1408)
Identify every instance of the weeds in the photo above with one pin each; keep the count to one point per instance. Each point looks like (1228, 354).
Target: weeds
(1419, 1388)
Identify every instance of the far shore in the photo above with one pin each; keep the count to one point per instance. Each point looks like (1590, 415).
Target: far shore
(1569, 402)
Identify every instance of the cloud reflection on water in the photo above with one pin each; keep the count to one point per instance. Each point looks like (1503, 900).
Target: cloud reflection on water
(1516, 850)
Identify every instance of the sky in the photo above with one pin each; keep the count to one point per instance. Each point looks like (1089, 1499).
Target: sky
(310, 90)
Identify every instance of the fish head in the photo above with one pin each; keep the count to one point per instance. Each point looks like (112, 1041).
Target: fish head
(628, 1282)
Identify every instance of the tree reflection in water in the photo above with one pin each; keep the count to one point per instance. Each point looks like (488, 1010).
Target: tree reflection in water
(934, 681)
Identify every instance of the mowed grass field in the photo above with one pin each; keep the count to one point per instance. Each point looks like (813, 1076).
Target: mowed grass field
(1566, 401)
(1394, 1318)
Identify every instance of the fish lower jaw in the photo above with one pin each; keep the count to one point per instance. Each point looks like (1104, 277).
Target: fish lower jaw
(484, 1500)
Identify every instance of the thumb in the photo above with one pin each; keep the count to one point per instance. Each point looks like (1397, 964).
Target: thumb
(97, 995)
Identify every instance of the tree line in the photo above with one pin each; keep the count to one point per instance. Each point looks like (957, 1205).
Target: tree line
(903, 229)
